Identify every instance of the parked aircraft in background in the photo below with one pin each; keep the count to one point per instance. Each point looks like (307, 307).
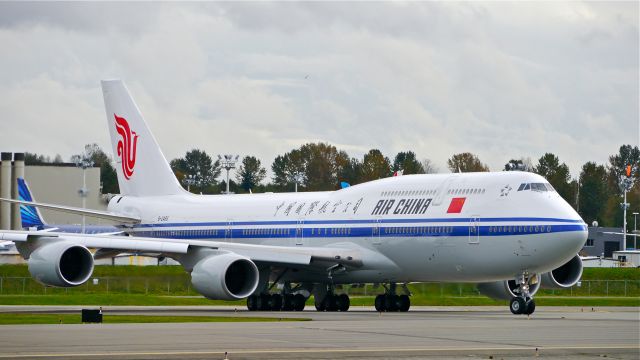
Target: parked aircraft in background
(508, 231)
(32, 217)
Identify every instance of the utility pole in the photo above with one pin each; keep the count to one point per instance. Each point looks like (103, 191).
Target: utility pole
(83, 162)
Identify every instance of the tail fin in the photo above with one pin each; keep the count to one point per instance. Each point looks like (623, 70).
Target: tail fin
(31, 216)
(142, 169)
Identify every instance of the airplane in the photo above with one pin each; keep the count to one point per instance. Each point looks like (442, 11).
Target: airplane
(32, 218)
(510, 232)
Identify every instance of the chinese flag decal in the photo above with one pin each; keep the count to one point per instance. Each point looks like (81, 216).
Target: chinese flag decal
(456, 205)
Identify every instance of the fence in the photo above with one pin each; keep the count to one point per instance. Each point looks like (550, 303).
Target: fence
(181, 286)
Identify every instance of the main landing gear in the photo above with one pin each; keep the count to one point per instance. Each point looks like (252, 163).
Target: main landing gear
(390, 301)
(332, 301)
(276, 302)
(523, 303)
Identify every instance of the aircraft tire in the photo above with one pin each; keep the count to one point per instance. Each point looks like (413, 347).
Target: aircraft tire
(252, 303)
(264, 302)
(299, 302)
(404, 303)
(530, 307)
(379, 303)
(331, 302)
(288, 302)
(391, 303)
(517, 305)
(275, 303)
(343, 302)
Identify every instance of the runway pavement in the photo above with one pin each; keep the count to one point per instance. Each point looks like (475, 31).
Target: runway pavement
(361, 333)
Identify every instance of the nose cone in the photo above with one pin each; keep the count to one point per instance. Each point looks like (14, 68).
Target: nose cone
(573, 231)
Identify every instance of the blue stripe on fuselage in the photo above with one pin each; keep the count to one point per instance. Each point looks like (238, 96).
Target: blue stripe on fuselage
(364, 221)
(382, 231)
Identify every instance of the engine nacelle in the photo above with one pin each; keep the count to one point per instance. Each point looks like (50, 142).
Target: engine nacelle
(61, 263)
(225, 277)
(504, 290)
(565, 276)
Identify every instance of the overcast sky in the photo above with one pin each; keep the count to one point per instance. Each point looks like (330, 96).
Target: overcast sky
(501, 80)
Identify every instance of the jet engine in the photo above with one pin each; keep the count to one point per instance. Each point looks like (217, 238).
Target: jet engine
(565, 276)
(504, 290)
(225, 277)
(61, 263)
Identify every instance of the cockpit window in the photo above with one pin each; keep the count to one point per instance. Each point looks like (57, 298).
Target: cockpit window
(536, 187)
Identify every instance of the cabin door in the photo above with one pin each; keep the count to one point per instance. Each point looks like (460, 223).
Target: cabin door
(300, 232)
(474, 230)
(375, 232)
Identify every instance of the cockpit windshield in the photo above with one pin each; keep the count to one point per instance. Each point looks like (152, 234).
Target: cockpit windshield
(536, 187)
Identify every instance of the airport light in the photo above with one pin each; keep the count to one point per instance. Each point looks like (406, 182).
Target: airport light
(83, 161)
(626, 183)
(191, 180)
(297, 178)
(228, 162)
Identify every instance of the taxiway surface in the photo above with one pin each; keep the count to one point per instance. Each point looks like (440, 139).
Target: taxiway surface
(361, 333)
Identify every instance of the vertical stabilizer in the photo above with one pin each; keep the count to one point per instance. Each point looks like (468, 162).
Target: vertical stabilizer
(30, 215)
(141, 166)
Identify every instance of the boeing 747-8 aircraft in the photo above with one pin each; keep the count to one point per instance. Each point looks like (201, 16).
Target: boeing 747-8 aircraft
(509, 232)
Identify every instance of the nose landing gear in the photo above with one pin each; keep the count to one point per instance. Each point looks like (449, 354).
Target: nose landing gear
(523, 303)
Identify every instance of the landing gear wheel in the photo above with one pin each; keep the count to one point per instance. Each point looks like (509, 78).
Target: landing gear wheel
(299, 301)
(321, 305)
(287, 302)
(331, 302)
(404, 303)
(264, 302)
(530, 307)
(379, 303)
(275, 303)
(391, 302)
(343, 302)
(517, 305)
(252, 303)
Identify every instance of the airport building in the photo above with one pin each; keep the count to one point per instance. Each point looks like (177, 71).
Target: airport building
(604, 241)
(50, 183)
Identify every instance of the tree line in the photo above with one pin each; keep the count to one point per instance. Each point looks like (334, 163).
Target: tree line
(595, 194)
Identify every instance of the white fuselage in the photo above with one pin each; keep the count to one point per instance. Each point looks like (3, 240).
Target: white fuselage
(413, 228)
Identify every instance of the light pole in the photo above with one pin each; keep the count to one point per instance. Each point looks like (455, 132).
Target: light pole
(297, 178)
(191, 180)
(635, 231)
(83, 161)
(228, 162)
(626, 183)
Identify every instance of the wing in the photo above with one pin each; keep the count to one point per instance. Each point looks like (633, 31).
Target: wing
(348, 256)
(124, 219)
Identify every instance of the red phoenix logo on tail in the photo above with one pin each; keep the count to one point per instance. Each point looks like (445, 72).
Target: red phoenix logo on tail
(126, 146)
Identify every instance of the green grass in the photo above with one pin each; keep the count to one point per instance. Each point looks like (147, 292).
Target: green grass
(178, 272)
(112, 300)
(13, 319)
(170, 285)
